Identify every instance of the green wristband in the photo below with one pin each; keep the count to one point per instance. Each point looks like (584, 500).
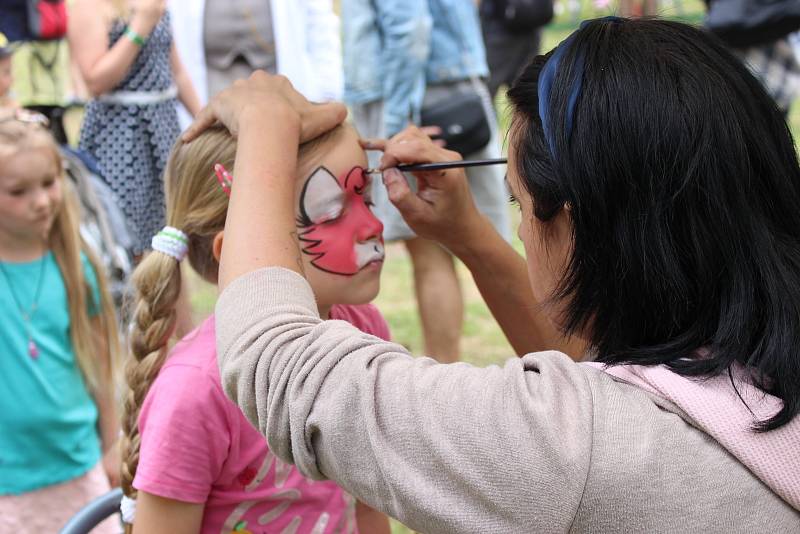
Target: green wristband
(135, 38)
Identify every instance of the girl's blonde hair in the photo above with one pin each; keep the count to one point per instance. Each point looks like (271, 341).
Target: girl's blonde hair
(197, 205)
(17, 134)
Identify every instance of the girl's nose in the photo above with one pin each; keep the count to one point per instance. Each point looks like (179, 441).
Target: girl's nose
(371, 227)
(41, 200)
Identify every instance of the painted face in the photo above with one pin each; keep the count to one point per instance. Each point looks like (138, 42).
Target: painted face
(337, 227)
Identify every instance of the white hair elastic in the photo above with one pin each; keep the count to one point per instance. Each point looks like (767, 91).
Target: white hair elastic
(127, 508)
(172, 242)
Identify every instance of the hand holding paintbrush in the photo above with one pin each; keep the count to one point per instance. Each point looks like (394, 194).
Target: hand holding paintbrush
(442, 165)
(440, 205)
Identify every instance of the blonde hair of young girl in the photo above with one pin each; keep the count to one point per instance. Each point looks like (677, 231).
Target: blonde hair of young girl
(66, 243)
(196, 205)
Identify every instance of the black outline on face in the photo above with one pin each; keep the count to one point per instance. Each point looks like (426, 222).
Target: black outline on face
(304, 222)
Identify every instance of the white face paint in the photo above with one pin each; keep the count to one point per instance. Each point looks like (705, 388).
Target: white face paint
(323, 197)
(368, 251)
(337, 227)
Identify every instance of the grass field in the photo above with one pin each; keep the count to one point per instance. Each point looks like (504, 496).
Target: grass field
(483, 343)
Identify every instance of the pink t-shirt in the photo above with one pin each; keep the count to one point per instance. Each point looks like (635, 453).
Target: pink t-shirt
(198, 447)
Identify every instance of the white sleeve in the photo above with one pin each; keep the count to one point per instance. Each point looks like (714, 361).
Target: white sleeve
(324, 48)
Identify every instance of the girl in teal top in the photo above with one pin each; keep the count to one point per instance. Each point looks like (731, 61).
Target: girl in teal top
(57, 339)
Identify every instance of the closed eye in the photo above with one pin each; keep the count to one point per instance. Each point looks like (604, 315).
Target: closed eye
(322, 199)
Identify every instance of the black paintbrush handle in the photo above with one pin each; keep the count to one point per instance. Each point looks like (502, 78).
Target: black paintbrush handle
(442, 165)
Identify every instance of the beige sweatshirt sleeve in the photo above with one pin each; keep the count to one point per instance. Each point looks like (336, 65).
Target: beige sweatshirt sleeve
(443, 448)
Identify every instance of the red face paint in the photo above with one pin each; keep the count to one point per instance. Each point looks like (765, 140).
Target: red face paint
(337, 228)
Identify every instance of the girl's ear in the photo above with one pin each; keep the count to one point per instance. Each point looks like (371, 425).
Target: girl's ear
(216, 246)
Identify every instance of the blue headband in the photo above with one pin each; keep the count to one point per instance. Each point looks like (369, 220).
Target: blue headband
(547, 78)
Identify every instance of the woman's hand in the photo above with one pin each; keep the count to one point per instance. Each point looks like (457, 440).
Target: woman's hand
(266, 99)
(146, 14)
(442, 209)
(270, 120)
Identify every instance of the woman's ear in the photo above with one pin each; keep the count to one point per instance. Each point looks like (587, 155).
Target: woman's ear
(216, 246)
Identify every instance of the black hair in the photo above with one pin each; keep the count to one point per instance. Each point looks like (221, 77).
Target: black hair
(683, 188)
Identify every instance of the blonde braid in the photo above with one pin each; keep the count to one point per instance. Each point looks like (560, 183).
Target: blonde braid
(197, 206)
(157, 281)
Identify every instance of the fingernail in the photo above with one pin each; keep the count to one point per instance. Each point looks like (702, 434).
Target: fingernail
(366, 143)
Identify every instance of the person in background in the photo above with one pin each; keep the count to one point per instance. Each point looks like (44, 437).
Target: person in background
(40, 66)
(58, 340)
(222, 41)
(127, 58)
(131, 67)
(636, 8)
(777, 66)
(507, 50)
(401, 57)
(6, 74)
(767, 51)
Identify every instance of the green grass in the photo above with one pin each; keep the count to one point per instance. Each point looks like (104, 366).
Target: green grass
(482, 343)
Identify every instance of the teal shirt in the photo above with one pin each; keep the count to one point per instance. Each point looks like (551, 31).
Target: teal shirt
(48, 419)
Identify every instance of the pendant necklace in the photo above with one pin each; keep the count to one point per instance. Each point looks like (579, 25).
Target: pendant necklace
(27, 315)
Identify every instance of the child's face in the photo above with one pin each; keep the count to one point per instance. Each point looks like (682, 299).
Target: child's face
(6, 78)
(341, 240)
(30, 194)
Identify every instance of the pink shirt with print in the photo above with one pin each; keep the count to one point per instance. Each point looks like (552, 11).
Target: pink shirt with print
(198, 447)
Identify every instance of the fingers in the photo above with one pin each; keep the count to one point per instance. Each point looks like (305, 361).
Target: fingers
(411, 207)
(414, 150)
(373, 144)
(205, 119)
(431, 131)
(413, 145)
(320, 118)
(380, 144)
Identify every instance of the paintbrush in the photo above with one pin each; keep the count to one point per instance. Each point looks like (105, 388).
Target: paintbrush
(441, 165)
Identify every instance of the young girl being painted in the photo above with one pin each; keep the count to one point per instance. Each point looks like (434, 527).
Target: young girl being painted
(191, 460)
(58, 339)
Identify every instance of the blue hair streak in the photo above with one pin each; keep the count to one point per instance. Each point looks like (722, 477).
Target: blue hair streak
(547, 78)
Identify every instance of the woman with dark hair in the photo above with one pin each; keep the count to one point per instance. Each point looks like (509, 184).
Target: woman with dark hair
(659, 188)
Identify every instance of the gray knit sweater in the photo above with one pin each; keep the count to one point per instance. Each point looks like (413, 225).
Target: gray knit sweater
(541, 444)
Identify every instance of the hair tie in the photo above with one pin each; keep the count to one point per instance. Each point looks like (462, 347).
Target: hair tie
(127, 509)
(172, 242)
(547, 78)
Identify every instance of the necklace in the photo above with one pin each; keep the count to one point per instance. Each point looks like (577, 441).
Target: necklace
(27, 314)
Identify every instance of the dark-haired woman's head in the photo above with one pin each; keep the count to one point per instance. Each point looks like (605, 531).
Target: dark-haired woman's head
(660, 191)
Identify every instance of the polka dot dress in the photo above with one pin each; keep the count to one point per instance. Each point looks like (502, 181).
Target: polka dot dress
(131, 143)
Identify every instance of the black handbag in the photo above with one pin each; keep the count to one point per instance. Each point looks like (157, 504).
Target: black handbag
(743, 23)
(463, 121)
